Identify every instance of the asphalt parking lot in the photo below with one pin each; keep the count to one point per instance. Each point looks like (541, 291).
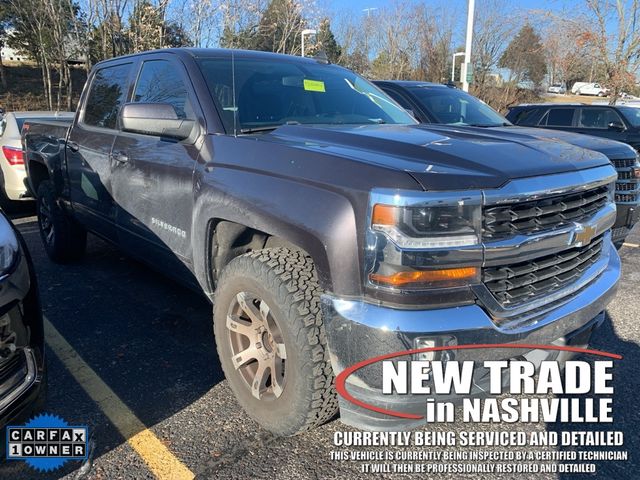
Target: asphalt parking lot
(150, 341)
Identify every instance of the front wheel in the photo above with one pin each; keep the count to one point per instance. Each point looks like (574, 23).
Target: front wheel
(271, 340)
(63, 238)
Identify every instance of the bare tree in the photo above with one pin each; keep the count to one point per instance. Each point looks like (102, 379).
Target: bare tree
(434, 30)
(33, 36)
(204, 14)
(568, 55)
(495, 25)
(616, 37)
(394, 41)
(355, 36)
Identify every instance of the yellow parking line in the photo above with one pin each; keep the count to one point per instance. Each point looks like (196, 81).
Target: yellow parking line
(634, 245)
(158, 458)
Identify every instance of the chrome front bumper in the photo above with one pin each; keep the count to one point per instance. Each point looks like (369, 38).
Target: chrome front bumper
(357, 331)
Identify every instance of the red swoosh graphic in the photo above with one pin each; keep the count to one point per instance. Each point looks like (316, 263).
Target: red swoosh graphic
(341, 379)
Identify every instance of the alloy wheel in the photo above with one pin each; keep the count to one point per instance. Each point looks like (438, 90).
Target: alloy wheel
(45, 219)
(257, 346)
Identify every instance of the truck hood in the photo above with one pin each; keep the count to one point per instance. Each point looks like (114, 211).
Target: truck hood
(442, 157)
(611, 148)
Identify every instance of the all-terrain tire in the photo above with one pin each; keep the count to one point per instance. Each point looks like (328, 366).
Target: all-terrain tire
(63, 238)
(286, 281)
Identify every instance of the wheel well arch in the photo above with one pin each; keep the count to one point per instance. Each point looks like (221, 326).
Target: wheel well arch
(226, 240)
(38, 172)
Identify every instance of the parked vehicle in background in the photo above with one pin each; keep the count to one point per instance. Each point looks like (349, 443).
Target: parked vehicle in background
(581, 88)
(615, 122)
(331, 226)
(557, 88)
(22, 366)
(435, 103)
(12, 170)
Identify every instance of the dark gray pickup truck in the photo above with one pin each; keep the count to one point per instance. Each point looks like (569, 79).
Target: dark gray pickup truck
(324, 224)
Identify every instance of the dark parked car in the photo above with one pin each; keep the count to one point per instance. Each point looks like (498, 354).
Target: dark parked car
(22, 367)
(615, 122)
(324, 223)
(434, 103)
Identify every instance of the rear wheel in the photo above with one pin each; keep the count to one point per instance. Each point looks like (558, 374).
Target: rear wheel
(63, 238)
(271, 340)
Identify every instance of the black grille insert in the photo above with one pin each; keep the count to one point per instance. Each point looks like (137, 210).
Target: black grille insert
(518, 283)
(549, 213)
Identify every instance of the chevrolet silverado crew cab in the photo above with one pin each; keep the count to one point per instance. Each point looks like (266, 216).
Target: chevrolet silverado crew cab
(325, 225)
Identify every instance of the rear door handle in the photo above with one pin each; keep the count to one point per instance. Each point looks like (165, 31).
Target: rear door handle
(120, 157)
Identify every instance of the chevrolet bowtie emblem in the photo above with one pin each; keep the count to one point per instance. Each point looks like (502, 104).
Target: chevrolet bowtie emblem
(583, 234)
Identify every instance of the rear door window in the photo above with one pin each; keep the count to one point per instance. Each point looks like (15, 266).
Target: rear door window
(108, 93)
(598, 117)
(558, 117)
(524, 116)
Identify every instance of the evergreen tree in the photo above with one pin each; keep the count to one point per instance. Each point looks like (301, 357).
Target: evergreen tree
(525, 56)
(327, 42)
(279, 28)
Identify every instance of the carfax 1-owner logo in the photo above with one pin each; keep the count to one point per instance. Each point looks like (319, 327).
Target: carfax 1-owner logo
(46, 442)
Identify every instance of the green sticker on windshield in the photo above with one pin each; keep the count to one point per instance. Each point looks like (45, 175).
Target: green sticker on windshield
(314, 85)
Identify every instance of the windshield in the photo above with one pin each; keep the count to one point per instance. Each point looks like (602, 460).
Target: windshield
(632, 114)
(270, 93)
(455, 107)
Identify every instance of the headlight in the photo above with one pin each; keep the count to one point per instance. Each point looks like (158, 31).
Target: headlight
(8, 245)
(418, 241)
(428, 227)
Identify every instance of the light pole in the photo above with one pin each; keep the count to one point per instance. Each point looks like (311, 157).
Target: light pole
(307, 31)
(467, 48)
(453, 65)
(366, 28)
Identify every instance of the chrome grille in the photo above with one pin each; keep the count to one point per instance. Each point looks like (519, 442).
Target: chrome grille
(518, 283)
(549, 213)
(627, 185)
(626, 174)
(623, 162)
(12, 373)
(627, 198)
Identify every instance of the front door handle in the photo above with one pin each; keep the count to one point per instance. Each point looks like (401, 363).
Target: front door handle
(73, 146)
(119, 157)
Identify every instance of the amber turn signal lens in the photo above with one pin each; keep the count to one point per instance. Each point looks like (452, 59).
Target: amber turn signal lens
(384, 215)
(400, 279)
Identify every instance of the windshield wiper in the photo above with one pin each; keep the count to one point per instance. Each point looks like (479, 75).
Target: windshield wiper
(268, 128)
(265, 128)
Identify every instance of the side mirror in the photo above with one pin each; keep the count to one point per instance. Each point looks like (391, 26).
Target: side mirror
(159, 119)
(616, 126)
